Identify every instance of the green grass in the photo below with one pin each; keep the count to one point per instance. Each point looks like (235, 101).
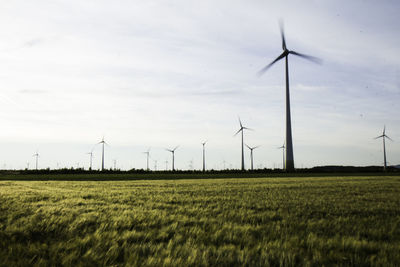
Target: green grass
(350, 221)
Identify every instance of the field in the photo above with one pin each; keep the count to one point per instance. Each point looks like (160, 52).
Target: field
(350, 221)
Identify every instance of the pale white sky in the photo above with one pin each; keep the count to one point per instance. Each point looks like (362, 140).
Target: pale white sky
(164, 73)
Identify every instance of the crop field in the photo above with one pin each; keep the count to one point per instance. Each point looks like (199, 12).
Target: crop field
(347, 221)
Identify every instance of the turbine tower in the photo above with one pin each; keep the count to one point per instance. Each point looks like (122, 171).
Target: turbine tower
(37, 156)
(283, 155)
(383, 136)
(289, 163)
(173, 156)
(148, 155)
(102, 152)
(251, 154)
(204, 156)
(242, 128)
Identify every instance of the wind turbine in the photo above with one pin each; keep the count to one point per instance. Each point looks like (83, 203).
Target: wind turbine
(102, 153)
(148, 155)
(173, 156)
(283, 155)
(241, 130)
(204, 156)
(37, 156)
(251, 154)
(289, 163)
(383, 136)
(91, 159)
(155, 164)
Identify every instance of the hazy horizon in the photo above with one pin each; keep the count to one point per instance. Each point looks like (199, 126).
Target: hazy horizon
(160, 74)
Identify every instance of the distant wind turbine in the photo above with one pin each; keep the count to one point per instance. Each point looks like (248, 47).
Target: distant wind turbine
(204, 156)
(166, 164)
(383, 136)
(251, 154)
(102, 152)
(148, 155)
(283, 155)
(173, 156)
(37, 156)
(289, 164)
(155, 164)
(242, 128)
(91, 159)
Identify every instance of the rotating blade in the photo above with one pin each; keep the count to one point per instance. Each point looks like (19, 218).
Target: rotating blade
(282, 34)
(389, 138)
(241, 129)
(263, 70)
(311, 58)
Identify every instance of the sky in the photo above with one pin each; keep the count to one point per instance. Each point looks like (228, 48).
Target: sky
(159, 74)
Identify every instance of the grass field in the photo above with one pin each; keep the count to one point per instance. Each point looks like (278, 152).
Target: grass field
(249, 222)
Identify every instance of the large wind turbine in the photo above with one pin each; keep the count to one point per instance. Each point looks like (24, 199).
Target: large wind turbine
(283, 155)
(148, 155)
(383, 136)
(37, 156)
(173, 156)
(251, 154)
(102, 153)
(289, 164)
(241, 130)
(204, 155)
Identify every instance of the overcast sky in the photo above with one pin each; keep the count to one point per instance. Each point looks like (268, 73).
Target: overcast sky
(157, 74)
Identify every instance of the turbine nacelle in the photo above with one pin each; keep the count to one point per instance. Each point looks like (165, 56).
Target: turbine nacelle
(252, 148)
(172, 150)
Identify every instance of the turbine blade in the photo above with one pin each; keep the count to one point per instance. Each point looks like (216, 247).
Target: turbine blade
(175, 148)
(240, 122)
(389, 138)
(248, 129)
(282, 34)
(263, 70)
(241, 129)
(248, 147)
(311, 58)
(378, 137)
(384, 128)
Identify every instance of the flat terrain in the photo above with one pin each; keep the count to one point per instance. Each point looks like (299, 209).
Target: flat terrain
(252, 222)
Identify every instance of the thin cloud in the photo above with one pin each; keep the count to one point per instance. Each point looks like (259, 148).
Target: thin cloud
(33, 91)
(33, 42)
